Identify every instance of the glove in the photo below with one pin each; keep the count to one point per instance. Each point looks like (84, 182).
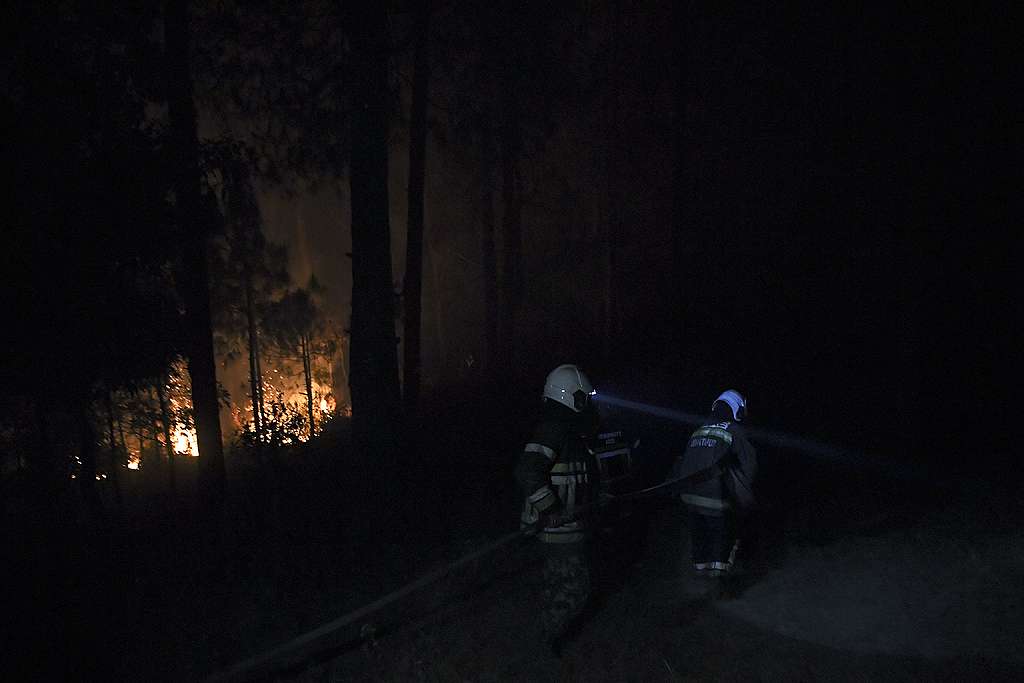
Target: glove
(556, 518)
(543, 522)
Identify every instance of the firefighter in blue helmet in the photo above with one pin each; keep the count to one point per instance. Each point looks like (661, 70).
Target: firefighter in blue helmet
(720, 466)
(558, 477)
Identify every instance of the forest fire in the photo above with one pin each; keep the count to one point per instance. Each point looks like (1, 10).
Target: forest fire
(155, 423)
(285, 414)
(183, 436)
(186, 442)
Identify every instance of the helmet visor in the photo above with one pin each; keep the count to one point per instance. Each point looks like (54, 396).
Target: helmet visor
(582, 400)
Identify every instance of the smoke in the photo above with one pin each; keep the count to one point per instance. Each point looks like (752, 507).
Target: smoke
(300, 258)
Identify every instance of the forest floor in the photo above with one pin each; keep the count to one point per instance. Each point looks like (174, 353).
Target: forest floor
(849, 576)
(930, 594)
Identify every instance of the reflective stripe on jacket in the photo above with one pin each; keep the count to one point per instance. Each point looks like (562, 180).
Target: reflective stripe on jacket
(556, 472)
(722, 451)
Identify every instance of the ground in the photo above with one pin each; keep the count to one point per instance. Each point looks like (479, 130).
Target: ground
(930, 591)
(849, 575)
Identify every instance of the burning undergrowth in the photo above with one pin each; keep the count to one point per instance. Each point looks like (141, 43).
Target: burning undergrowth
(148, 425)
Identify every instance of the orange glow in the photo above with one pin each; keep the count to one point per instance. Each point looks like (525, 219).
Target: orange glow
(183, 434)
(289, 389)
(185, 441)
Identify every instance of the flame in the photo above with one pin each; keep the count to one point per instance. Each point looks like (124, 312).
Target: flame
(186, 442)
(134, 461)
(290, 389)
(184, 439)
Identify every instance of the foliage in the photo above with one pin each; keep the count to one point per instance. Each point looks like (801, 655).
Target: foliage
(286, 425)
(96, 268)
(242, 258)
(293, 318)
(275, 75)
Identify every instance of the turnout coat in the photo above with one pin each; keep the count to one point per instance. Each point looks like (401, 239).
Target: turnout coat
(557, 473)
(721, 465)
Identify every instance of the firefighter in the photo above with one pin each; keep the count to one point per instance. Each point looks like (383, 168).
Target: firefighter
(720, 466)
(558, 476)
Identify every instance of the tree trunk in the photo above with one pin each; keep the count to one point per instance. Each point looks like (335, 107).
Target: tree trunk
(374, 361)
(165, 420)
(48, 480)
(307, 370)
(512, 228)
(120, 432)
(87, 471)
(412, 288)
(44, 447)
(435, 268)
(610, 242)
(611, 195)
(261, 402)
(344, 365)
(115, 461)
(682, 188)
(110, 424)
(255, 378)
(195, 225)
(489, 256)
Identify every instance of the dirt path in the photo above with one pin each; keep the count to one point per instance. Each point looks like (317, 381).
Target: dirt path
(938, 599)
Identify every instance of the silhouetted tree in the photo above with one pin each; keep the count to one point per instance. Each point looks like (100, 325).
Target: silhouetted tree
(503, 82)
(87, 464)
(314, 102)
(247, 273)
(165, 425)
(90, 221)
(275, 77)
(488, 250)
(374, 366)
(117, 455)
(512, 224)
(195, 217)
(294, 324)
(412, 284)
(682, 195)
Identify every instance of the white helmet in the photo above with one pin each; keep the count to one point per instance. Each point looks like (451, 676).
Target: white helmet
(569, 386)
(735, 401)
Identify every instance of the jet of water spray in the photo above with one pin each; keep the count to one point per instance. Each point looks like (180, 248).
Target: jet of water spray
(656, 411)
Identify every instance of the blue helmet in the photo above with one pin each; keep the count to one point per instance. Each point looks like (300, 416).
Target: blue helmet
(736, 403)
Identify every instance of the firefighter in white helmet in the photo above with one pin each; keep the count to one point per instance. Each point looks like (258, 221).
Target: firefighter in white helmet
(558, 477)
(720, 466)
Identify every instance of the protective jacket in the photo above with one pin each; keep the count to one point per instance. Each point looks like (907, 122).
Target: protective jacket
(613, 454)
(559, 477)
(720, 450)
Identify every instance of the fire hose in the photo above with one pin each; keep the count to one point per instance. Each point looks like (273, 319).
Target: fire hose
(253, 664)
(249, 666)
